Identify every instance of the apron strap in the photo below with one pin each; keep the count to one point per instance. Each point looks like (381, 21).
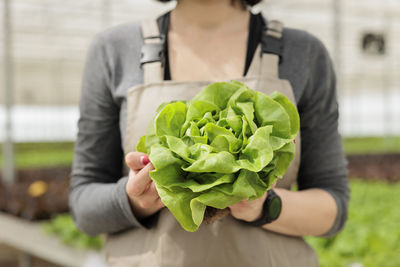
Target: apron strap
(152, 53)
(272, 44)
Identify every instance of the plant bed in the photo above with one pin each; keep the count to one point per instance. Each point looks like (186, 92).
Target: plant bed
(37, 193)
(17, 200)
(375, 167)
(45, 174)
(371, 236)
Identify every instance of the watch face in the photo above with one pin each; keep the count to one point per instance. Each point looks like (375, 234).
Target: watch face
(275, 207)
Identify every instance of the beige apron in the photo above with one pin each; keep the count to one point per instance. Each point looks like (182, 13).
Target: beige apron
(227, 242)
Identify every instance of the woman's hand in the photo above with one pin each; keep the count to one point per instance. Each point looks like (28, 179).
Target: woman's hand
(249, 210)
(140, 189)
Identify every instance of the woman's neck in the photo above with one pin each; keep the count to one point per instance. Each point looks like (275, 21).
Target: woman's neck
(212, 16)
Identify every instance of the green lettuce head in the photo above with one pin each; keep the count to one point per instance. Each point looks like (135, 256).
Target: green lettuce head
(227, 144)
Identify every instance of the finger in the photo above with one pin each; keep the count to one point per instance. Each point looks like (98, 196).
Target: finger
(239, 205)
(150, 199)
(152, 190)
(159, 203)
(136, 160)
(139, 182)
(133, 172)
(242, 202)
(154, 193)
(237, 209)
(147, 187)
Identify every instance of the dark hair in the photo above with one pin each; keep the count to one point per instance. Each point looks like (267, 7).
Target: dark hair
(243, 3)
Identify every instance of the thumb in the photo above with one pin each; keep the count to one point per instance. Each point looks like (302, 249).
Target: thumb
(136, 160)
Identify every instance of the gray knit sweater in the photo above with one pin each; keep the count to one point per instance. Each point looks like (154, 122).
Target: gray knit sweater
(98, 200)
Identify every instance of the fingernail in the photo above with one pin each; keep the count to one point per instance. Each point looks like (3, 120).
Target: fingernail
(144, 159)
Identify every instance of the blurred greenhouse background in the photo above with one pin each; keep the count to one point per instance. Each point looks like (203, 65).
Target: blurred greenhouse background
(50, 38)
(47, 48)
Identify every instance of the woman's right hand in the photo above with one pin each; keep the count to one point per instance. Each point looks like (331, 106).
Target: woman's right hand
(140, 189)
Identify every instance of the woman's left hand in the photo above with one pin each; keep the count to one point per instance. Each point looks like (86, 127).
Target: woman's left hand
(249, 210)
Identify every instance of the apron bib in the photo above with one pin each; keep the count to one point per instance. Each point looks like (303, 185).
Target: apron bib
(227, 242)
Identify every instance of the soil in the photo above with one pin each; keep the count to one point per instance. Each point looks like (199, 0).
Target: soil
(16, 199)
(384, 167)
(44, 174)
(212, 214)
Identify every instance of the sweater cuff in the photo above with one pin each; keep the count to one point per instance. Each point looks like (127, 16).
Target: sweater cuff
(340, 216)
(125, 206)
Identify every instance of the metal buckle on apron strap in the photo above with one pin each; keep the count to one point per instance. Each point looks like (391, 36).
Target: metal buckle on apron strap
(272, 45)
(271, 39)
(153, 51)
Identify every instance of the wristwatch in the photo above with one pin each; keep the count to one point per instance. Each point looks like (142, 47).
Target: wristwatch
(270, 211)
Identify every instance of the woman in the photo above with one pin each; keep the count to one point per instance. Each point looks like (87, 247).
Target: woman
(204, 41)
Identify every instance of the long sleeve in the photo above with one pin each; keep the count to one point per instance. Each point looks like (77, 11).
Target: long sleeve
(98, 201)
(323, 163)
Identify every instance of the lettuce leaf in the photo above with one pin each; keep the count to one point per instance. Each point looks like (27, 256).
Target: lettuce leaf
(227, 144)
